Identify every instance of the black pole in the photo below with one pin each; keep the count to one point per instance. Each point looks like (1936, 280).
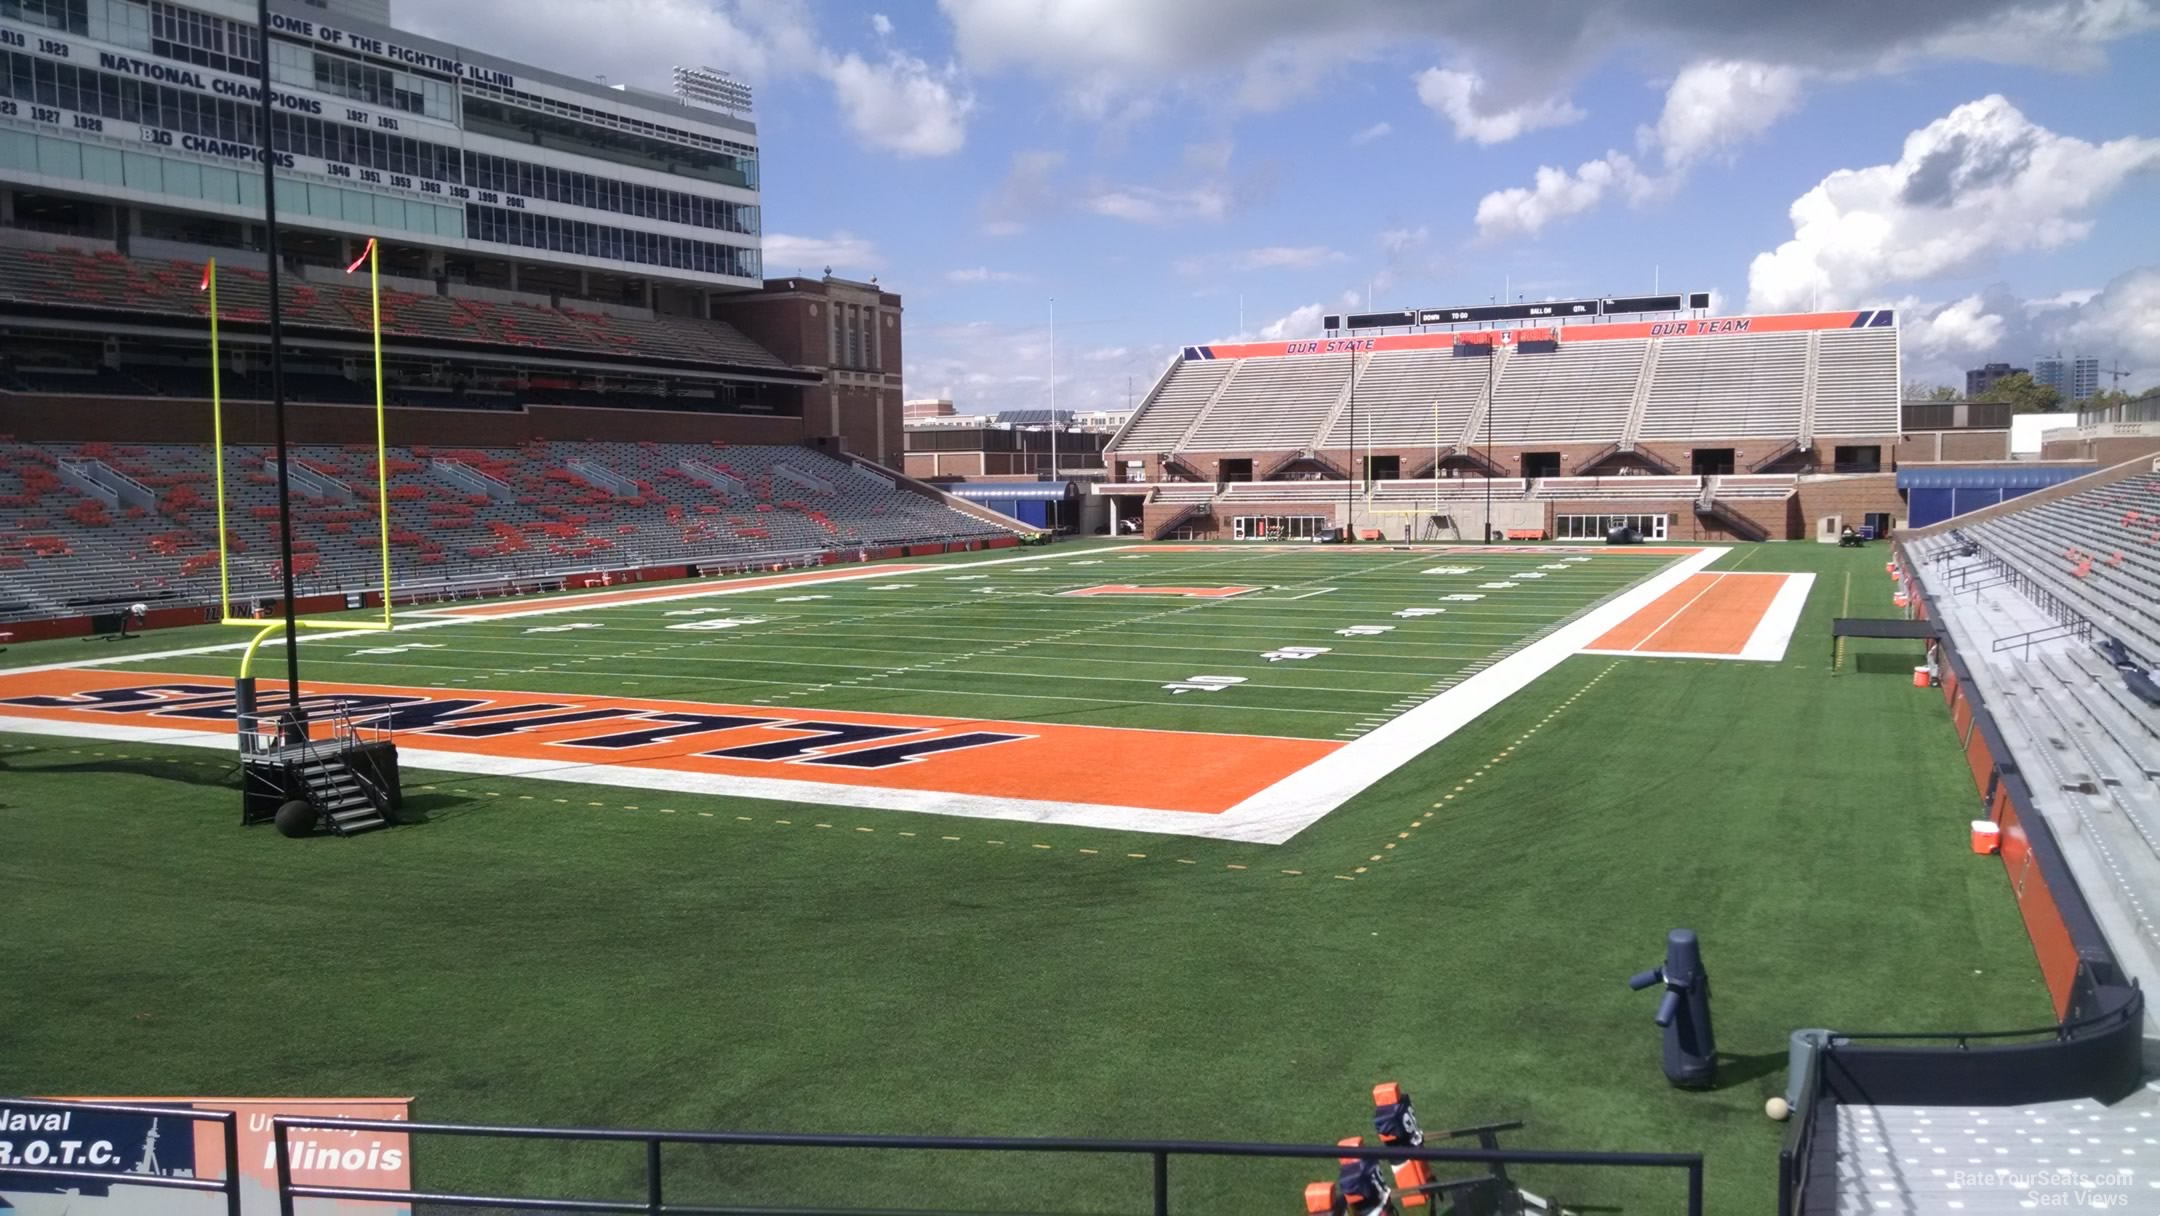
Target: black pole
(277, 365)
(1491, 390)
(1350, 482)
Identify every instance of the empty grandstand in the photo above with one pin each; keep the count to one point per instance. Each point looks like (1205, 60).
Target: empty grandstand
(85, 526)
(1734, 421)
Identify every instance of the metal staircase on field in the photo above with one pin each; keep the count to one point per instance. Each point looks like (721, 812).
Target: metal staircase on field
(341, 796)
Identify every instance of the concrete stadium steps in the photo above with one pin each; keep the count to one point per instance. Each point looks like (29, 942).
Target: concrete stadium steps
(1998, 1161)
(2113, 526)
(1739, 387)
(1727, 387)
(1578, 391)
(1411, 397)
(1273, 405)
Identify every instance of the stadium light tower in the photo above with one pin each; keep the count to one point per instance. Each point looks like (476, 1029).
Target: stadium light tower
(712, 87)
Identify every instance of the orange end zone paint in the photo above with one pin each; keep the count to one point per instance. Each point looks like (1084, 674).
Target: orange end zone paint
(1707, 614)
(1186, 771)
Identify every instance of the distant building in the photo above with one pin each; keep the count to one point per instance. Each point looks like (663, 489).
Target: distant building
(926, 407)
(2076, 378)
(1981, 379)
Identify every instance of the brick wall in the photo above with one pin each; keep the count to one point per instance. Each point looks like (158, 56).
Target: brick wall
(1414, 458)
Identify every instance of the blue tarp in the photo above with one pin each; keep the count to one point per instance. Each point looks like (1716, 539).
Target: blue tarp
(1990, 477)
(992, 491)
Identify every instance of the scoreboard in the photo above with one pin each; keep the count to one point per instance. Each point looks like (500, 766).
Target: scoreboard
(1608, 306)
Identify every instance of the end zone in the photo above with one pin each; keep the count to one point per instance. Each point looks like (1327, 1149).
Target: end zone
(1746, 616)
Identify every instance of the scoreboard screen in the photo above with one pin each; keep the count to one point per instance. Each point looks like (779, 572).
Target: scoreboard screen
(1544, 311)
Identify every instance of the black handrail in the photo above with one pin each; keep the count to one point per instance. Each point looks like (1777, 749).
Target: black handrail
(228, 1186)
(1158, 1151)
(2062, 1030)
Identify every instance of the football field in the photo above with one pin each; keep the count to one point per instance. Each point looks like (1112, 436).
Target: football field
(1489, 820)
(1238, 692)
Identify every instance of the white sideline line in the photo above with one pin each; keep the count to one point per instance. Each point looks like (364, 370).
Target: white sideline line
(1281, 811)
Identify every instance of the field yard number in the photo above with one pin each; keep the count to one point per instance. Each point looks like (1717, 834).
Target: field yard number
(1294, 652)
(1364, 631)
(1495, 586)
(1415, 612)
(564, 628)
(1089, 562)
(1554, 566)
(400, 649)
(892, 586)
(1203, 684)
(1574, 561)
(693, 612)
(1529, 574)
(798, 599)
(725, 622)
(1454, 569)
(965, 578)
(1463, 596)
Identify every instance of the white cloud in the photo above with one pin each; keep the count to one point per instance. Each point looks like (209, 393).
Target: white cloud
(1157, 205)
(1398, 241)
(882, 24)
(902, 105)
(1106, 354)
(1981, 181)
(843, 251)
(1557, 194)
(983, 274)
(1300, 322)
(632, 41)
(1256, 53)
(1710, 107)
(1454, 95)
(1027, 195)
(1297, 323)
(1961, 328)
(1716, 104)
(1378, 130)
(2072, 298)
(2121, 323)
(1287, 257)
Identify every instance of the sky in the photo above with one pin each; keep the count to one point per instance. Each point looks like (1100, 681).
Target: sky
(1065, 192)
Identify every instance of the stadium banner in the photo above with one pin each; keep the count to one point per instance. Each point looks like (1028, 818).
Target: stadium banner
(88, 56)
(1701, 327)
(148, 1145)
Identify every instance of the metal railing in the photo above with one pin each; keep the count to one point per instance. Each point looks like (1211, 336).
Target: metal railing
(2081, 629)
(1157, 1153)
(30, 1157)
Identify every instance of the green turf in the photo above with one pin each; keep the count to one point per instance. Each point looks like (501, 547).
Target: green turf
(527, 956)
(1005, 641)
